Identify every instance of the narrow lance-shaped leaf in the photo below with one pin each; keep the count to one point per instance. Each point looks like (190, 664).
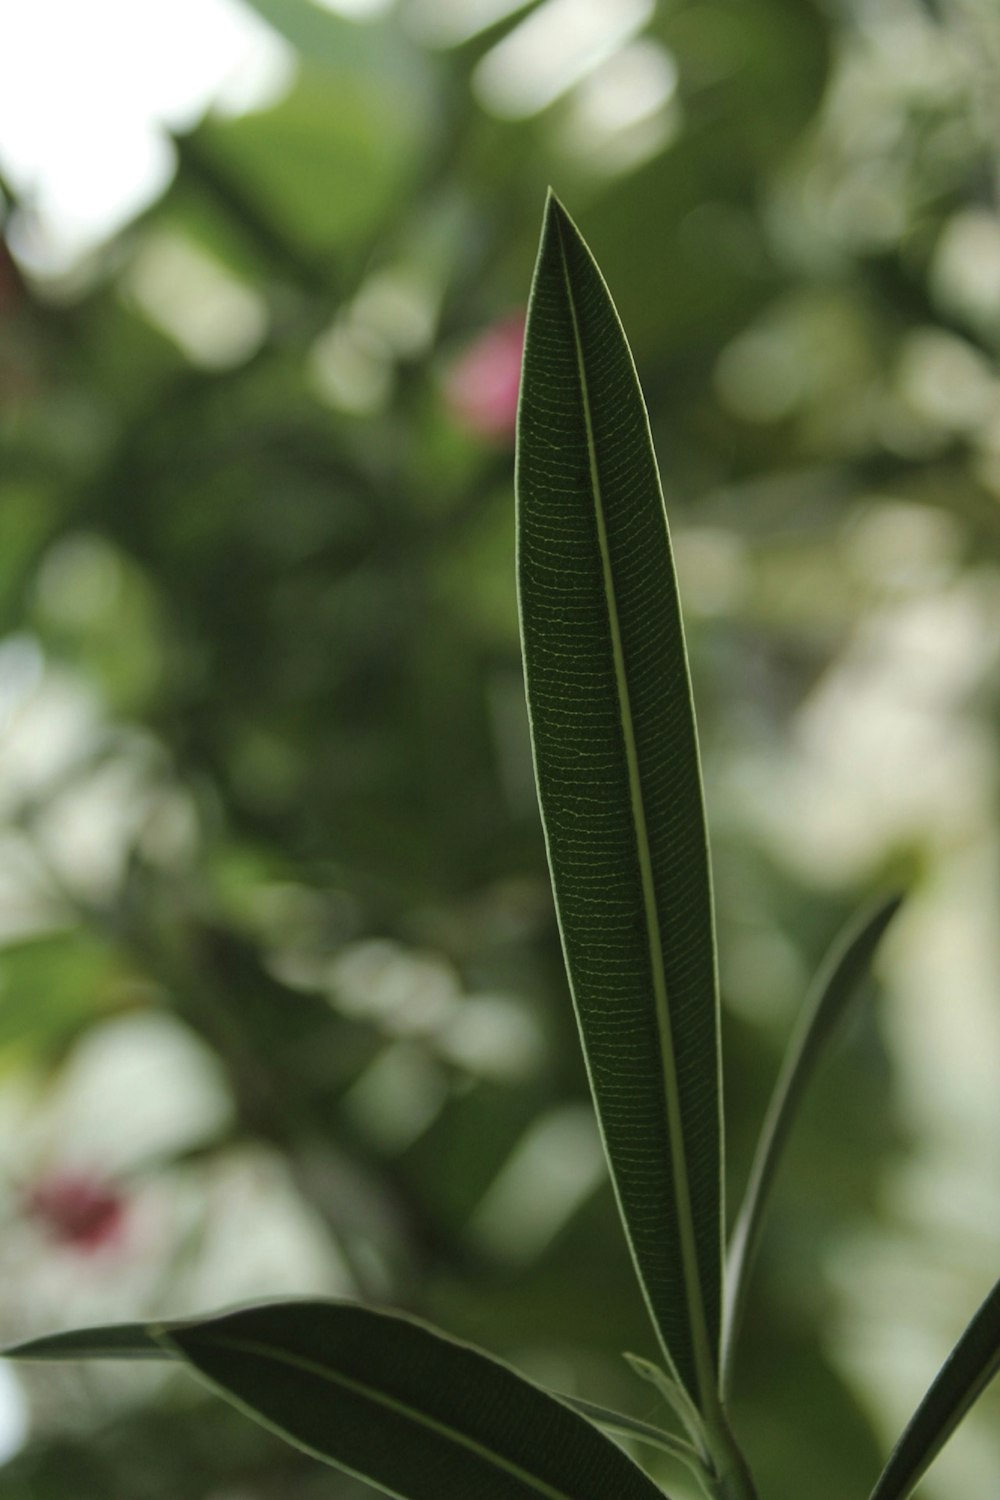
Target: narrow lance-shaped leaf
(966, 1373)
(837, 983)
(387, 1399)
(619, 783)
(640, 1432)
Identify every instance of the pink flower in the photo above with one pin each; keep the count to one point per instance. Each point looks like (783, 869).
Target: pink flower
(77, 1210)
(482, 385)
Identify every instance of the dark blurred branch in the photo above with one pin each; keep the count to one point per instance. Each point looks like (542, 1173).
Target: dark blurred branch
(907, 300)
(259, 230)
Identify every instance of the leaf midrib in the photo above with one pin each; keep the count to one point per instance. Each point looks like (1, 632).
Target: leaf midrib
(401, 1408)
(681, 1178)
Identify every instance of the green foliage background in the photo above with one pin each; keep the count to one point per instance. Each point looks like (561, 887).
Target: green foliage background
(268, 821)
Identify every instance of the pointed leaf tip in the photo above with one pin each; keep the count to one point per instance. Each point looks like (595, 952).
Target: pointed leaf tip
(114, 1341)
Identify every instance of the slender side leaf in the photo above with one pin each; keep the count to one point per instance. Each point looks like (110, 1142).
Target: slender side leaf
(837, 983)
(396, 1403)
(625, 1426)
(116, 1341)
(966, 1373)
(676, 1397)
(619, 783)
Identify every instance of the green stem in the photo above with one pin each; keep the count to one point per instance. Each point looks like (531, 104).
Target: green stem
(732, 1476)
(721, 1467)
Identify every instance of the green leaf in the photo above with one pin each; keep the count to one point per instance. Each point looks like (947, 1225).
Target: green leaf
(676, 1397)
(396, 1403)
(619, 783)
(386, 1398)
(837, 983)
(964, 1376)
(625, 1426)
(116, 1341)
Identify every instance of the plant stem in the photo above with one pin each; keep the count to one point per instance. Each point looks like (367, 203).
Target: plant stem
(732, 1477)
(737, 1484)
(722, 1469)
